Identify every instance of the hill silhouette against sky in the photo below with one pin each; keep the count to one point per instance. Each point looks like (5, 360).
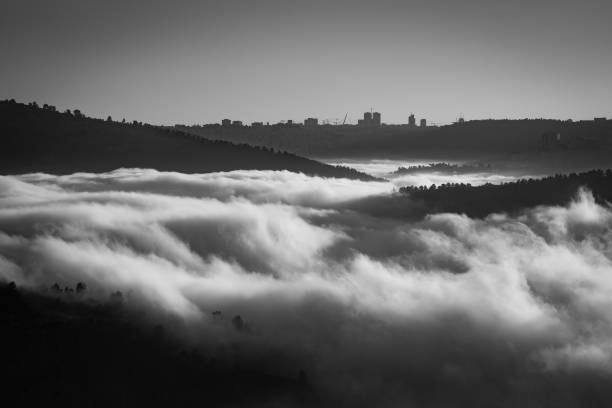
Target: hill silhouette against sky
(469, 140)
(41, 139)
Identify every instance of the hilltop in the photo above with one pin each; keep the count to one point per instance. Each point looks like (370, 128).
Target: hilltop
(108, 351)
(416, 202)
(42, 139)
(468, 140)
(479, 201)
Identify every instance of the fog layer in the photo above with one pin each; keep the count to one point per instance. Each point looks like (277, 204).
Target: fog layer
(444, 311)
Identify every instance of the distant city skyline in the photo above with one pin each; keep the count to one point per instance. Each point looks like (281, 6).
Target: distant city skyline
(369, 119)
(196, 62)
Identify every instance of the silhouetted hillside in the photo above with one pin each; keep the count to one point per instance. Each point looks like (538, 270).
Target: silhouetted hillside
(508, 197)
(67, 352)
(37, 139)
(446, 168)
(469, 139)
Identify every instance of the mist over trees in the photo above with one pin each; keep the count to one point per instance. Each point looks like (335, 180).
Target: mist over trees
(96, 354)
(444, 168)
(479, 201)
(402, 204)
(147, 288)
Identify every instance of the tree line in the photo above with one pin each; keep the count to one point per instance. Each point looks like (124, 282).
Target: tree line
(512, 196)
(43, 139)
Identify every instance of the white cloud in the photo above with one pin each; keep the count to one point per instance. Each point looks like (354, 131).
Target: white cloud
(353, 298)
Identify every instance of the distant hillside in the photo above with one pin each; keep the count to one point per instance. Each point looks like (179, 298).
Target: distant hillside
(416, 202)
(470, 139)
(35, 139)
(479, 201)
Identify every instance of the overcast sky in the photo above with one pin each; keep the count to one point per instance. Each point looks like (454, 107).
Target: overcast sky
(169, 62)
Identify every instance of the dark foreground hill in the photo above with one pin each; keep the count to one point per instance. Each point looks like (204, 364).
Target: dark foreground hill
(35, 139)
(59, 351)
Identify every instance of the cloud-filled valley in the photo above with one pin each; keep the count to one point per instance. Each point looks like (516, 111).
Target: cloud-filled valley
(439, 311)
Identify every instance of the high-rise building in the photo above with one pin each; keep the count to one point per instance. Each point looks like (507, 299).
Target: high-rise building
(226, 122)
(257, 124)
(376, 119)
(237, 123)
(411, 120)
(311, 122)
(423, 123)
(369, 119)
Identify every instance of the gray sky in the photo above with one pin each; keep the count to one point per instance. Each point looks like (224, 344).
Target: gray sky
(199, 61)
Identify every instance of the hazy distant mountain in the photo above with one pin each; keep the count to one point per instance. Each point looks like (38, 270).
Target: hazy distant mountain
(469, 140)
(36, 139)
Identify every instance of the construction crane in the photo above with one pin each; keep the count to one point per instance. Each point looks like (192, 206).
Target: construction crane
(344, 121)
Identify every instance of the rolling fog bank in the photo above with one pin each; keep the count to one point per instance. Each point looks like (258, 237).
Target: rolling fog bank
(444, 310)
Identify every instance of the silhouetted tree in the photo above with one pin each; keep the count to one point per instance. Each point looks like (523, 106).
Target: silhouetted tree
(81, 287)
(117, 297)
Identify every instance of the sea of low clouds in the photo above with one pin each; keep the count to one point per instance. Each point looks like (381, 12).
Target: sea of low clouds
(385, 169)
(441, 311)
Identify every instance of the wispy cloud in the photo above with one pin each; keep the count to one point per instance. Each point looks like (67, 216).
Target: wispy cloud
(360, 303)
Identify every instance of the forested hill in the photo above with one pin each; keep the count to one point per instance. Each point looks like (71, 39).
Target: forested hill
(41, 139)
(468, 140)
(63, 347)
(479, 201)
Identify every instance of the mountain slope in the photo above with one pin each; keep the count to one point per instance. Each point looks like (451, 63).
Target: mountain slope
(37, 139)
(468, 140)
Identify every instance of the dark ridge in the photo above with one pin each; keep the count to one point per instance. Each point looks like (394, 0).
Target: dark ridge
(443, 167)
(78, 353)
(466, 140)
(479, 201)
(41, 139)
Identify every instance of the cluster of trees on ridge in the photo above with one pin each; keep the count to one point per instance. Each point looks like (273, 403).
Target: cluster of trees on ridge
(482, 200)
(42, 139)
(444, 168)
(59, 351)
